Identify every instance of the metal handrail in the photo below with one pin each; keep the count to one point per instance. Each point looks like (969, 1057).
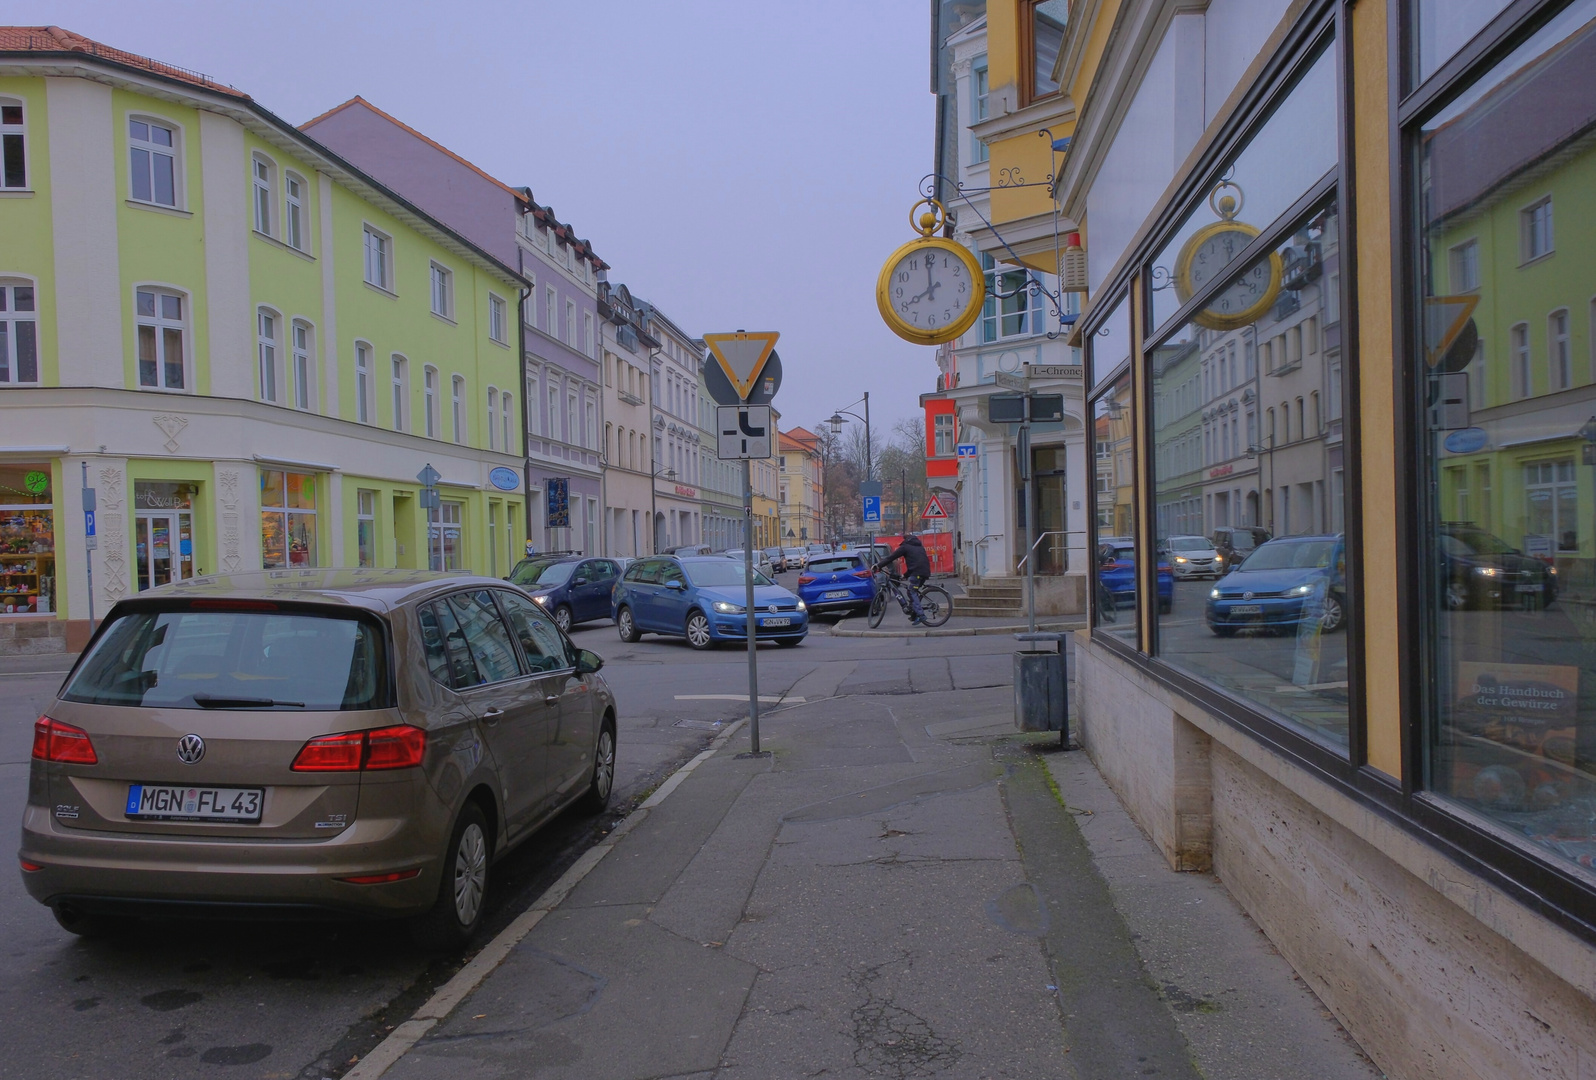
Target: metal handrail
(1043, 536)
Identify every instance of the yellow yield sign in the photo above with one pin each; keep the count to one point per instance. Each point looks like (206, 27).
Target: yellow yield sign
(742, 356)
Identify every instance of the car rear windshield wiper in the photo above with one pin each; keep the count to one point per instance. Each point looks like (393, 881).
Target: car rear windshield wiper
(223, 701)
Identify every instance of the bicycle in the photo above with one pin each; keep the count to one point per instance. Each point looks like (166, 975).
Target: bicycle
(935, 603)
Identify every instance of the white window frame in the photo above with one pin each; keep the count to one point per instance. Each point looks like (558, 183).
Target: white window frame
(296, 212)
(263, 188)
(268, 346)
(302, 359)
(399, 375)
(980, 103)
(506, 420)
(570, 323)
(441, 282)
(162, 325)
(554, 411)
(457, 407)
(364, 411)
(429, 401)
(1535, 230)
(534, 403)
(366, 511)
(11, 319)
(1521, 371)
(551, 322)
(154, 150)
(375, 238)
(573, 420)
(1463, 265)
(14, 136)
(589, 423)
(587, 331)
(498, 319)
(1559, 350)
(493, 418)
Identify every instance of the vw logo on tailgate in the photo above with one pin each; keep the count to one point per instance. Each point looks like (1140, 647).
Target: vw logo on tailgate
(190, 748)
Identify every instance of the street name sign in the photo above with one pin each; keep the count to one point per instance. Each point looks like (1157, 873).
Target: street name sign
(743, 431)
(741, 356)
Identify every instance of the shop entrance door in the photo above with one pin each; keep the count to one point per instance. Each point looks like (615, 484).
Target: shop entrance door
(1047, 472)
(165, 545)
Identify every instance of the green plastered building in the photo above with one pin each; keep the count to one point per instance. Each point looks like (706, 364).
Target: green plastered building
(244, 345)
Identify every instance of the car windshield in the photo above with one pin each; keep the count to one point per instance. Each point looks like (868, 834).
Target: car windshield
(1288, 554)
(710, 575)
(1483, 543)
(555, 574)
(527, 571)
(1242, 541)
(832, 565)
(235, 660)
(1188, 543)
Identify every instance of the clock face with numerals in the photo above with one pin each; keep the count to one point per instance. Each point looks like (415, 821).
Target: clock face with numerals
(930, 291)
(1210, 254)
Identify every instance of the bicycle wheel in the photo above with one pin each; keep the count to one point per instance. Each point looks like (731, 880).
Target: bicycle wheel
(936, 604)
(878, 608)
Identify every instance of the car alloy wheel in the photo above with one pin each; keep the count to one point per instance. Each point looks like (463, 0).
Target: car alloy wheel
(470, 873)
(698, 635)
(562, 618)
(625, 625)
(1457, 596)
(597, 796)
(1333, 614)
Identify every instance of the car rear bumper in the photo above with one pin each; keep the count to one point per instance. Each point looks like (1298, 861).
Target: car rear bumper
(104, 869)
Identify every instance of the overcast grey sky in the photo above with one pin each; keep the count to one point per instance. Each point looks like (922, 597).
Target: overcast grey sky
(741, 164)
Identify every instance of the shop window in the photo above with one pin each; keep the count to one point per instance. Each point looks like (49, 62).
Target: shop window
(1114, 609)
(366, 528)
(27, 540)
(13, 145)
(1111, 344)
(1281, 162)
(19, 333)
(446, 549)
(287, 519)
(1270, 630)
(1509, 724)
(161, 325)
(163, 532)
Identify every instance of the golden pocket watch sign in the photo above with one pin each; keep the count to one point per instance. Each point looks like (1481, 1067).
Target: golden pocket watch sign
(930, 289)
(1210, 252)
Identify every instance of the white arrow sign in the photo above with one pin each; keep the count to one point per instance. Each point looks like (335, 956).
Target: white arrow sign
(742, 355)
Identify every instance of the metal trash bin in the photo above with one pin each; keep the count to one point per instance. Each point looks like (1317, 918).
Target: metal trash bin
(1041, 686)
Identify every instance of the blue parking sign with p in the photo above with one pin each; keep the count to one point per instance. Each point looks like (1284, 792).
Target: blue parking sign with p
(872, 507)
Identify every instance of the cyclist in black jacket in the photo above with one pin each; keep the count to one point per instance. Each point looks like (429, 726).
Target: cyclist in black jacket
(916, 570)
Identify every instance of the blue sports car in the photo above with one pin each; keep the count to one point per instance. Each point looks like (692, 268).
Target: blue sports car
(837, 582)
(1116, 573)
(1282, 583)
(701, 598)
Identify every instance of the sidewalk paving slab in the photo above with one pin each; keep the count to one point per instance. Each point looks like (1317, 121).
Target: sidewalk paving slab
(895, 891)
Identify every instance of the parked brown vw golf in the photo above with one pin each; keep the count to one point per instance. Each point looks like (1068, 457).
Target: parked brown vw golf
(362, 741)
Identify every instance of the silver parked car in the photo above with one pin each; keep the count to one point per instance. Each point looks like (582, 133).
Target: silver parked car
(359, 741)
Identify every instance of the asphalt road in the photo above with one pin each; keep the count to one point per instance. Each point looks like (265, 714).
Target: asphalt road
(180, 1000)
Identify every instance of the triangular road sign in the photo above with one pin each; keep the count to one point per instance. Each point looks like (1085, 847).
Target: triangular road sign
(742, 356)
(935, 509)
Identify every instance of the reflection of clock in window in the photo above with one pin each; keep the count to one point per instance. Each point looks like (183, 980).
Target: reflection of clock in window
(930, 289)
(1210, 253)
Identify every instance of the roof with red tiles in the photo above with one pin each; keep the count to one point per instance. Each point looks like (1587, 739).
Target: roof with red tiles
(53, 39)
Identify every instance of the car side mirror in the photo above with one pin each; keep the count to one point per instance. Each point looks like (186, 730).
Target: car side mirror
(588, 662)
(579, 581)
(675, 583)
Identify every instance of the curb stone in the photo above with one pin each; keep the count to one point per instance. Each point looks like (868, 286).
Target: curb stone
(957, 631)
(405, 1036)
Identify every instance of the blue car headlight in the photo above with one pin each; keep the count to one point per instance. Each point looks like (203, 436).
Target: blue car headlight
(1301, 590)
(728, 609)
(802, 606)
(1214, 595)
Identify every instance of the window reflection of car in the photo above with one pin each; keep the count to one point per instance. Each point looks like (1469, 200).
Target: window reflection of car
(1277, 586)
(1116, 573)
(1235, 542)
(1482, 570)
(1191, 557)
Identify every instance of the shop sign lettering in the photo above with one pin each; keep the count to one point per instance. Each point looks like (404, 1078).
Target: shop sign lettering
(1222, 470)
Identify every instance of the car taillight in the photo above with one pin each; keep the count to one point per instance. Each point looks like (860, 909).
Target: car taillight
(806, 579)
(55, 741)
(865, 573)
(30, 867)
(398, 747)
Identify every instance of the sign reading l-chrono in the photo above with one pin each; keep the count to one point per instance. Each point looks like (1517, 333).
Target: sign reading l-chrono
(930, 289)
(1209, 254)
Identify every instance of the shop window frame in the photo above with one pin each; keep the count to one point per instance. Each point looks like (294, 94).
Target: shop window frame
(1534, 879)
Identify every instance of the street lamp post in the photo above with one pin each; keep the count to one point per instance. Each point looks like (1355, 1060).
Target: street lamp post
(653, 507)
(837, 421)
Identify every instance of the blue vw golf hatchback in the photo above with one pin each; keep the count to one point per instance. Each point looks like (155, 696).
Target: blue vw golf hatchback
(701, 599)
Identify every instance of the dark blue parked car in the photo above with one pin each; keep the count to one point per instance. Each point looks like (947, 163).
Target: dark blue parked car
(572, 590)
(1116, 573)
(1282, 583)
(837, 582)
(701, 599)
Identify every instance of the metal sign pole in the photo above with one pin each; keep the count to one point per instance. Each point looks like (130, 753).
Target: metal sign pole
(748, 597)
(1030, 525)
(90, 542)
